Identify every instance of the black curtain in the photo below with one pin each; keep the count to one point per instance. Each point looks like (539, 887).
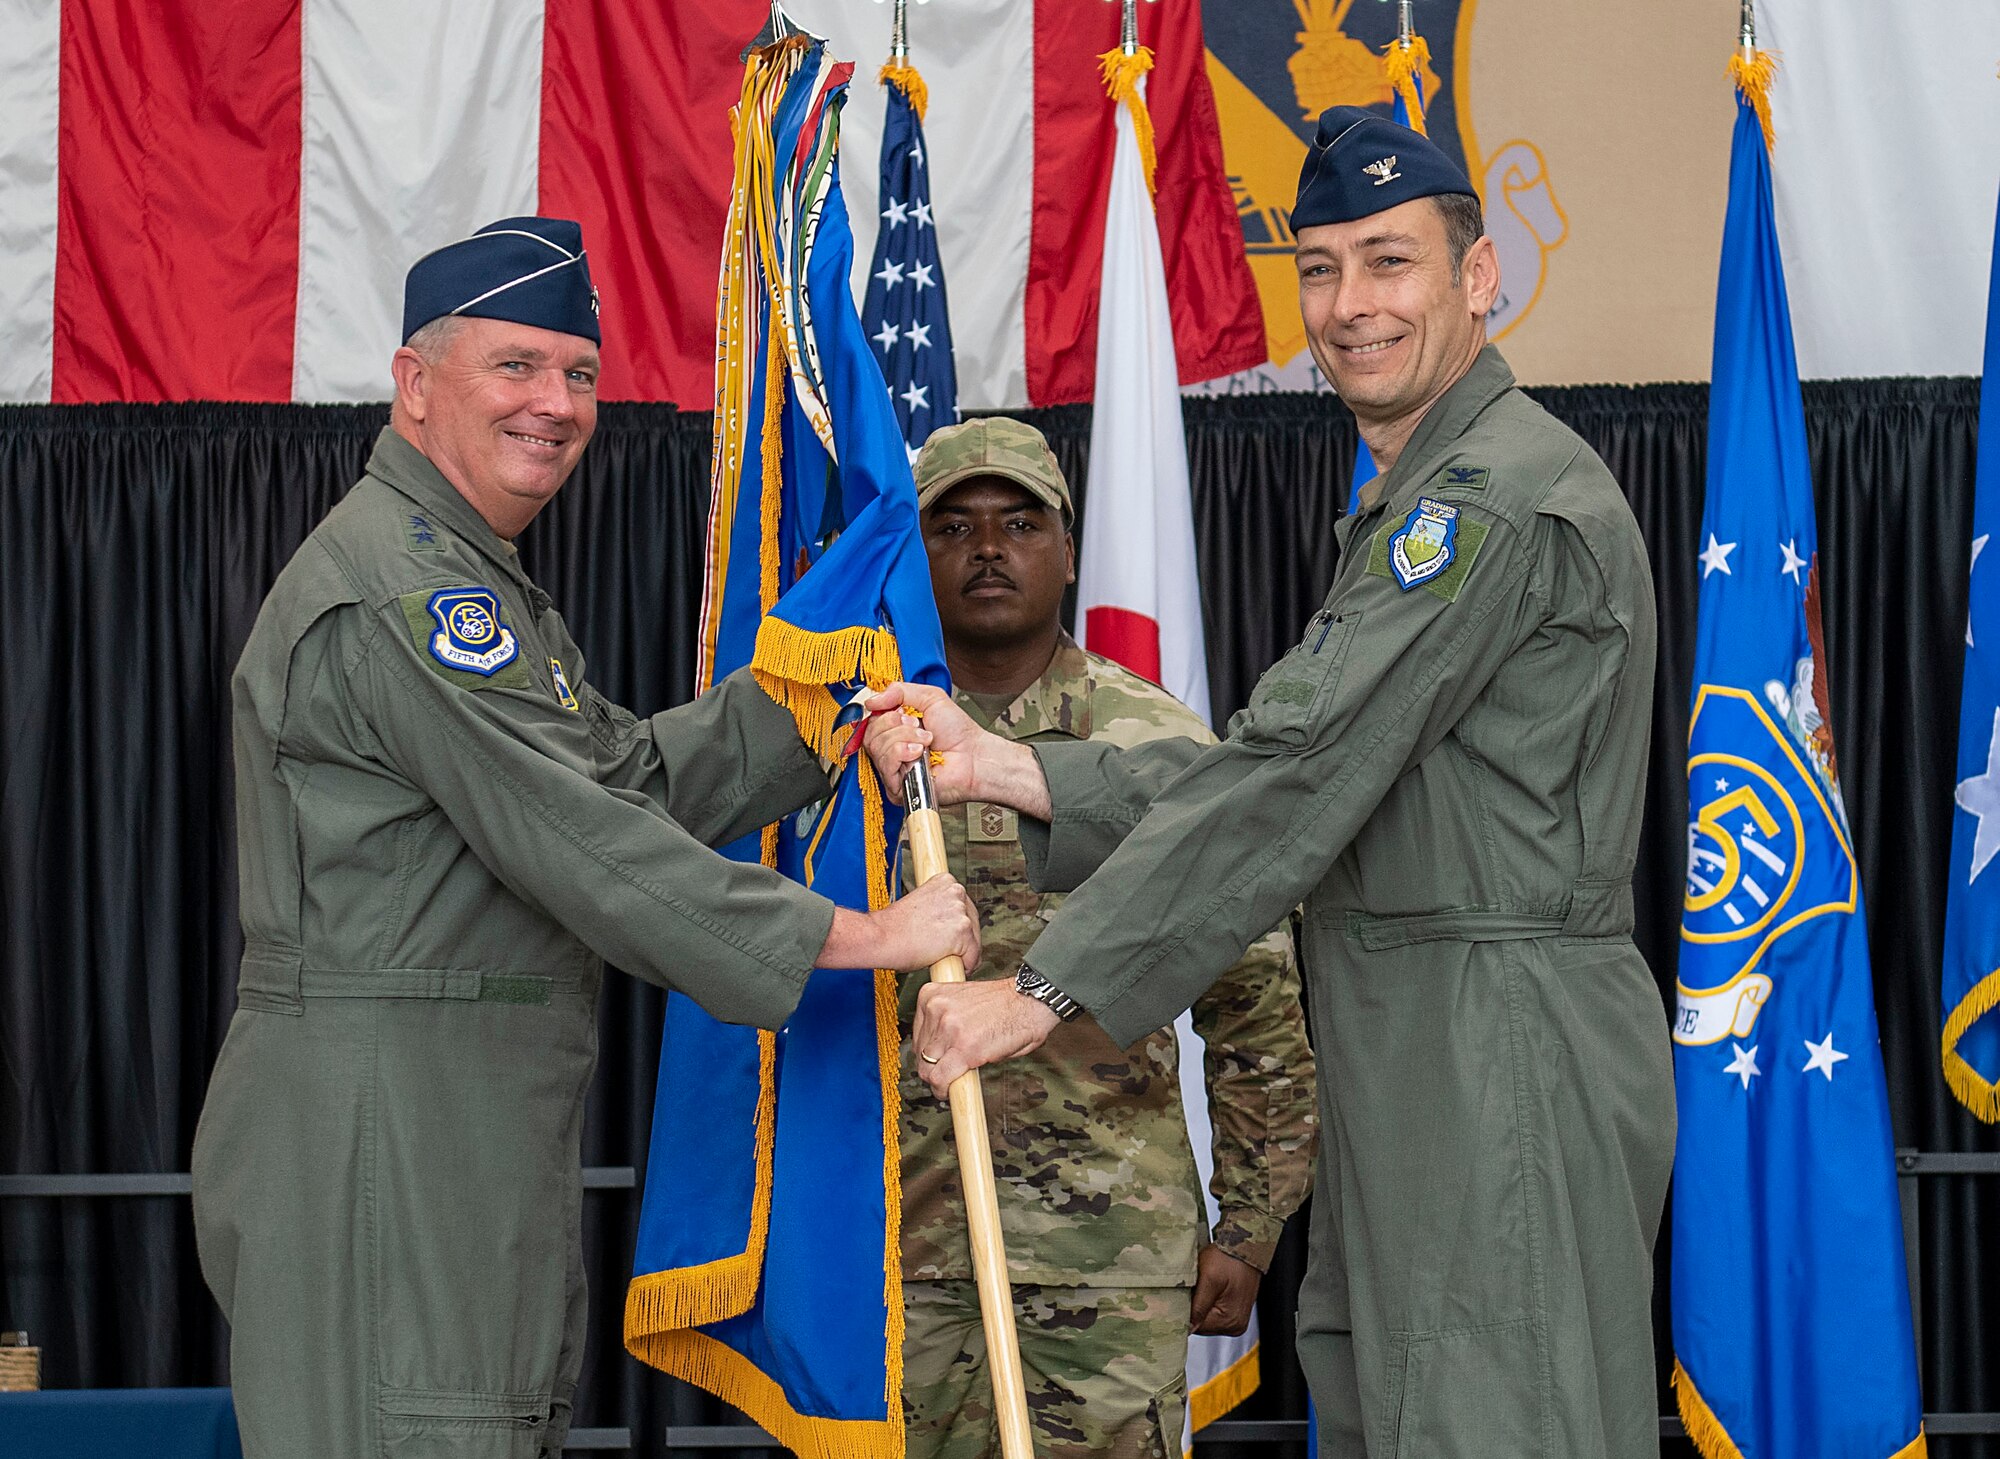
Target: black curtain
(137, 542)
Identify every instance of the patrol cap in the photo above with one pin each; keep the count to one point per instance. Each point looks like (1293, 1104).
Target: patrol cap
(1361, 163)
(525, 270)
(992, 446)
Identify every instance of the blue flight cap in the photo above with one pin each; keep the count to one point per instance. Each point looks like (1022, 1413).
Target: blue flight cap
(1361, 163)
(526, 270)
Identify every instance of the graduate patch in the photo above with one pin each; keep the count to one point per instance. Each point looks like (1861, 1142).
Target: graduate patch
(563, 696)
(1473, 478)
(1431, 548)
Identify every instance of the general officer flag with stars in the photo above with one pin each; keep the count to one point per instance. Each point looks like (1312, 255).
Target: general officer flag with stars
(1971, 1047)
(904, 312)
(1791, 1310)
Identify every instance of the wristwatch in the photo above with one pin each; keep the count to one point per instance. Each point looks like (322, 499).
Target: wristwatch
(1033, 985)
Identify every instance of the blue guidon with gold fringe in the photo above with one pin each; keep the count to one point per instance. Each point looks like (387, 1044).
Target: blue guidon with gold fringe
(767, 1267)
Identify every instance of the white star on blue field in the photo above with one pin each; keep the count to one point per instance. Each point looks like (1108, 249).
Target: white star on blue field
(904, 311)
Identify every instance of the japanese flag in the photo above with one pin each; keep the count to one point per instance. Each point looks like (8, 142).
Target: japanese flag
(1139, 599)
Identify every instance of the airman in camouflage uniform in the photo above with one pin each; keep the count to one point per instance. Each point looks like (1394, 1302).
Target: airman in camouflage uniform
(1099, 1198)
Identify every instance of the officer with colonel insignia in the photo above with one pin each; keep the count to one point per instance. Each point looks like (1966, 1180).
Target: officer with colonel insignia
(443, 830)
(1449, 771)
(1100, 1201)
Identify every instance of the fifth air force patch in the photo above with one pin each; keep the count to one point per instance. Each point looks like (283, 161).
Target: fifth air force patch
(471, 636)
(464, 637)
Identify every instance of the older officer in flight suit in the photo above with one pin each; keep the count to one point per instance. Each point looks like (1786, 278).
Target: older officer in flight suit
(1448, 769)
(443, 830)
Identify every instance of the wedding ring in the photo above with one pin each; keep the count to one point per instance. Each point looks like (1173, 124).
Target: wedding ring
(928, 1058)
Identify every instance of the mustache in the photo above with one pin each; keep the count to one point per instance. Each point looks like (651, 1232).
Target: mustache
(988, 575)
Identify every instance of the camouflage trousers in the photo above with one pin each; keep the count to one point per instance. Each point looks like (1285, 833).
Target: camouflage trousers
(1105, 1370)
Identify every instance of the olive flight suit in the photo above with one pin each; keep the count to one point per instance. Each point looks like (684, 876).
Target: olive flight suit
(1448, 770)
(443, 831)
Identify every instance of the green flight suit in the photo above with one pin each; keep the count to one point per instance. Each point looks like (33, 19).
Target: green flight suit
(1450, 776)
(442, 832)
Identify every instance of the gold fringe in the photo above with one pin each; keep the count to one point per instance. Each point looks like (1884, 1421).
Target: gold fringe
(1121, 75)
(794, 665)
(908, 80)
(1753, 75)
(1974, 1090)
(1225, 1390)
(888, 1050)
(1401, 67)
(1707, 1434)
(730, 1376)
(1704, 1429)
(689, 1296)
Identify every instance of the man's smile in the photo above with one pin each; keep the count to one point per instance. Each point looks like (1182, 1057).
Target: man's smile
(549, 443)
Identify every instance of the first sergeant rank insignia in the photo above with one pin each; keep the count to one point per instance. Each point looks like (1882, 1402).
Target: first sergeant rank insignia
(471, 636)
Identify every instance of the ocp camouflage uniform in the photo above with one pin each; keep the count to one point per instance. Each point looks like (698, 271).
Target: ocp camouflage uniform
(1100, 1202)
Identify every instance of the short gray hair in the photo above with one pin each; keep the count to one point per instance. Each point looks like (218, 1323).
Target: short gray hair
(1464, 225)
(434, 339)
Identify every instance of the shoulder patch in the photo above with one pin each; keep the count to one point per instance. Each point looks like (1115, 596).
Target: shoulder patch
(1431, 548)
(420, 534)
(465, 637)
(1472, 477)
(563, 696)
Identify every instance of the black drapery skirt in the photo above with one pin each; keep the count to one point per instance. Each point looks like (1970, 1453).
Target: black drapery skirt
(136, 543)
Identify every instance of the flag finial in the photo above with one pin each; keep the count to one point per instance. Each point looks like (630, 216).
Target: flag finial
(1128, 33)
(897, 70)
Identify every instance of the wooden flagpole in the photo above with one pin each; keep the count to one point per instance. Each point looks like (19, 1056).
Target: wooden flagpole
(975, 1157)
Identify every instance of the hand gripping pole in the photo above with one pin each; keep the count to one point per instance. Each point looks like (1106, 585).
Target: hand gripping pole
(975, 1156)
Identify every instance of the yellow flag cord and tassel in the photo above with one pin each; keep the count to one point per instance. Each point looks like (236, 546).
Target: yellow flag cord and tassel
(908, 80)
(1753, 71)
(1401, 65)
(1121, 75)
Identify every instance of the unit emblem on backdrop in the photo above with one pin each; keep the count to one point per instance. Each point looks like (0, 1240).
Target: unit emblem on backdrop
(1275, 67)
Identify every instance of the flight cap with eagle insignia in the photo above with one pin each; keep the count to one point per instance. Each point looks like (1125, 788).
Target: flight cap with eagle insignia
(1361, 163)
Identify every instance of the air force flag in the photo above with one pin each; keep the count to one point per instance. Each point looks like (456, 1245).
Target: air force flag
(1972, 917)
(1791, 1315)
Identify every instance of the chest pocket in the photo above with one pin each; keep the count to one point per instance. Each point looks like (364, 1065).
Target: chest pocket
(1292, 697)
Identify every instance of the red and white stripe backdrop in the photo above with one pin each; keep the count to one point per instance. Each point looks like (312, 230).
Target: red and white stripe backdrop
(219, 201)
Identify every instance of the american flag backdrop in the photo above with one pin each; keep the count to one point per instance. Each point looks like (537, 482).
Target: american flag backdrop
(219, 202)
(904, 311)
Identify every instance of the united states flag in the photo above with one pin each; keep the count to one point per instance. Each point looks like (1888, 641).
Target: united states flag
(904, 312)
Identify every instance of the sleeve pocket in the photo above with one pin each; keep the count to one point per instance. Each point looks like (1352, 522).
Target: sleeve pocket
(1289, 700)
